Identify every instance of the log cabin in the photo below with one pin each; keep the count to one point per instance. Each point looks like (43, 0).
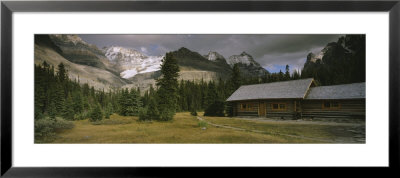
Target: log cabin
(298, 99)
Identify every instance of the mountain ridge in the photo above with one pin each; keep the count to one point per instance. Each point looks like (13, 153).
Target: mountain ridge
(129, 67)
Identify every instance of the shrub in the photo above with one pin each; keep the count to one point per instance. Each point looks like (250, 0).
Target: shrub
(45, 129)
(193, 113)
(81, 116)
(215, 109)
(167, 114)
(202, 124)
(143, 115)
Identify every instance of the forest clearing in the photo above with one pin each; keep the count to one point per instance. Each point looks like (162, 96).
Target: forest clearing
(185, 128)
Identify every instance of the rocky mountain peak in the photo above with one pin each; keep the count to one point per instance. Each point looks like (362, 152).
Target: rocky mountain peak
(243, 58)
(114, 53)
(244, 54)
(213, 56)
(183, 49)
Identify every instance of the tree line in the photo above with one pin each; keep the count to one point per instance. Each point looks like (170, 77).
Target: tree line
(56, 95)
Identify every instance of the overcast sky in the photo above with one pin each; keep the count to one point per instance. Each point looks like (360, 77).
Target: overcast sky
(273, 52)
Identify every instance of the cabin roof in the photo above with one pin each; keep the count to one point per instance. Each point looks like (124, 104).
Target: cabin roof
(346, 91)
(276, 90)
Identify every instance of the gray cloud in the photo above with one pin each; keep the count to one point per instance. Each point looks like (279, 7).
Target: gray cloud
(268, 50)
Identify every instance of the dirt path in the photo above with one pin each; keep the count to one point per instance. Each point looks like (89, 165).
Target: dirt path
(264, 132)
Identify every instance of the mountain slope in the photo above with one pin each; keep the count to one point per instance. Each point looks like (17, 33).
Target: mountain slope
(98, 78)
(74, 49)
(47, 50)
(193, 65)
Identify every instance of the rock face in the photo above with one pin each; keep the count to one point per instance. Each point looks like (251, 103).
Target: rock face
(195, 66)
(214, 56)
(74, 49)
(247, 65)
(242, 58)
(311, 57)
(46, 50)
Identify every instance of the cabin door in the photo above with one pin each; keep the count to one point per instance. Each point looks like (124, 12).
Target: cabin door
(261, 109)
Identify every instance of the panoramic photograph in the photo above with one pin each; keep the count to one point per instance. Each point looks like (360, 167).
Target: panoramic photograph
(199, 88)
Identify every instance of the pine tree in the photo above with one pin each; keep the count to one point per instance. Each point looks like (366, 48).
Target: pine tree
(137, 102)
(236, 80)
(108, 111)
(62, 74)
(152, 111)
(281, 77)
(211, 94)
(96, 114)
(68, 110)
(168, 87)
(287, 72)
(77, 102)
(295, 75)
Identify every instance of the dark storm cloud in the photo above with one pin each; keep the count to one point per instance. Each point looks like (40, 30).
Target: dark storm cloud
(268, 50)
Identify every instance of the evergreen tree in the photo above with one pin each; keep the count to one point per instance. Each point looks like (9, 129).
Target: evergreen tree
(281, 77)
(215, 109)
(68, 110)
(78, 102)
(211, 94)
(152, 111)
(168, 87)
(287, 72)
(236, 80)
(108, 111)
(96, 114)
(62, 74)
(295, 75)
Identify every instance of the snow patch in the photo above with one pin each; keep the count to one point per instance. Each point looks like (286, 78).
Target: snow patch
(128, 73)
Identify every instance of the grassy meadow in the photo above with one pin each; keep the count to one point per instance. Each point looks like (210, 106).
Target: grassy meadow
(185, 128)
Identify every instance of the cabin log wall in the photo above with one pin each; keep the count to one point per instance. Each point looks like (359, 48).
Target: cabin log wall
(253, 111)
(288, 113)
(347, 108)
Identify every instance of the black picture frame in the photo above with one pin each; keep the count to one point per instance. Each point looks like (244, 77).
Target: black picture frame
(8, 7)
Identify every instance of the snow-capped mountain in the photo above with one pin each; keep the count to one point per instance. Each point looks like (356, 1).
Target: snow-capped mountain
(242, 58)
(117, 54)
(132, 62)
(213, 56)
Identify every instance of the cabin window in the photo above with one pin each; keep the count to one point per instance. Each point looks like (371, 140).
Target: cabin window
(248, 106)
(278, 106)
(330, 105)
(244, 106)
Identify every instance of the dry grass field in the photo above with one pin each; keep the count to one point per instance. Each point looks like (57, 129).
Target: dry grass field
(185, 128)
